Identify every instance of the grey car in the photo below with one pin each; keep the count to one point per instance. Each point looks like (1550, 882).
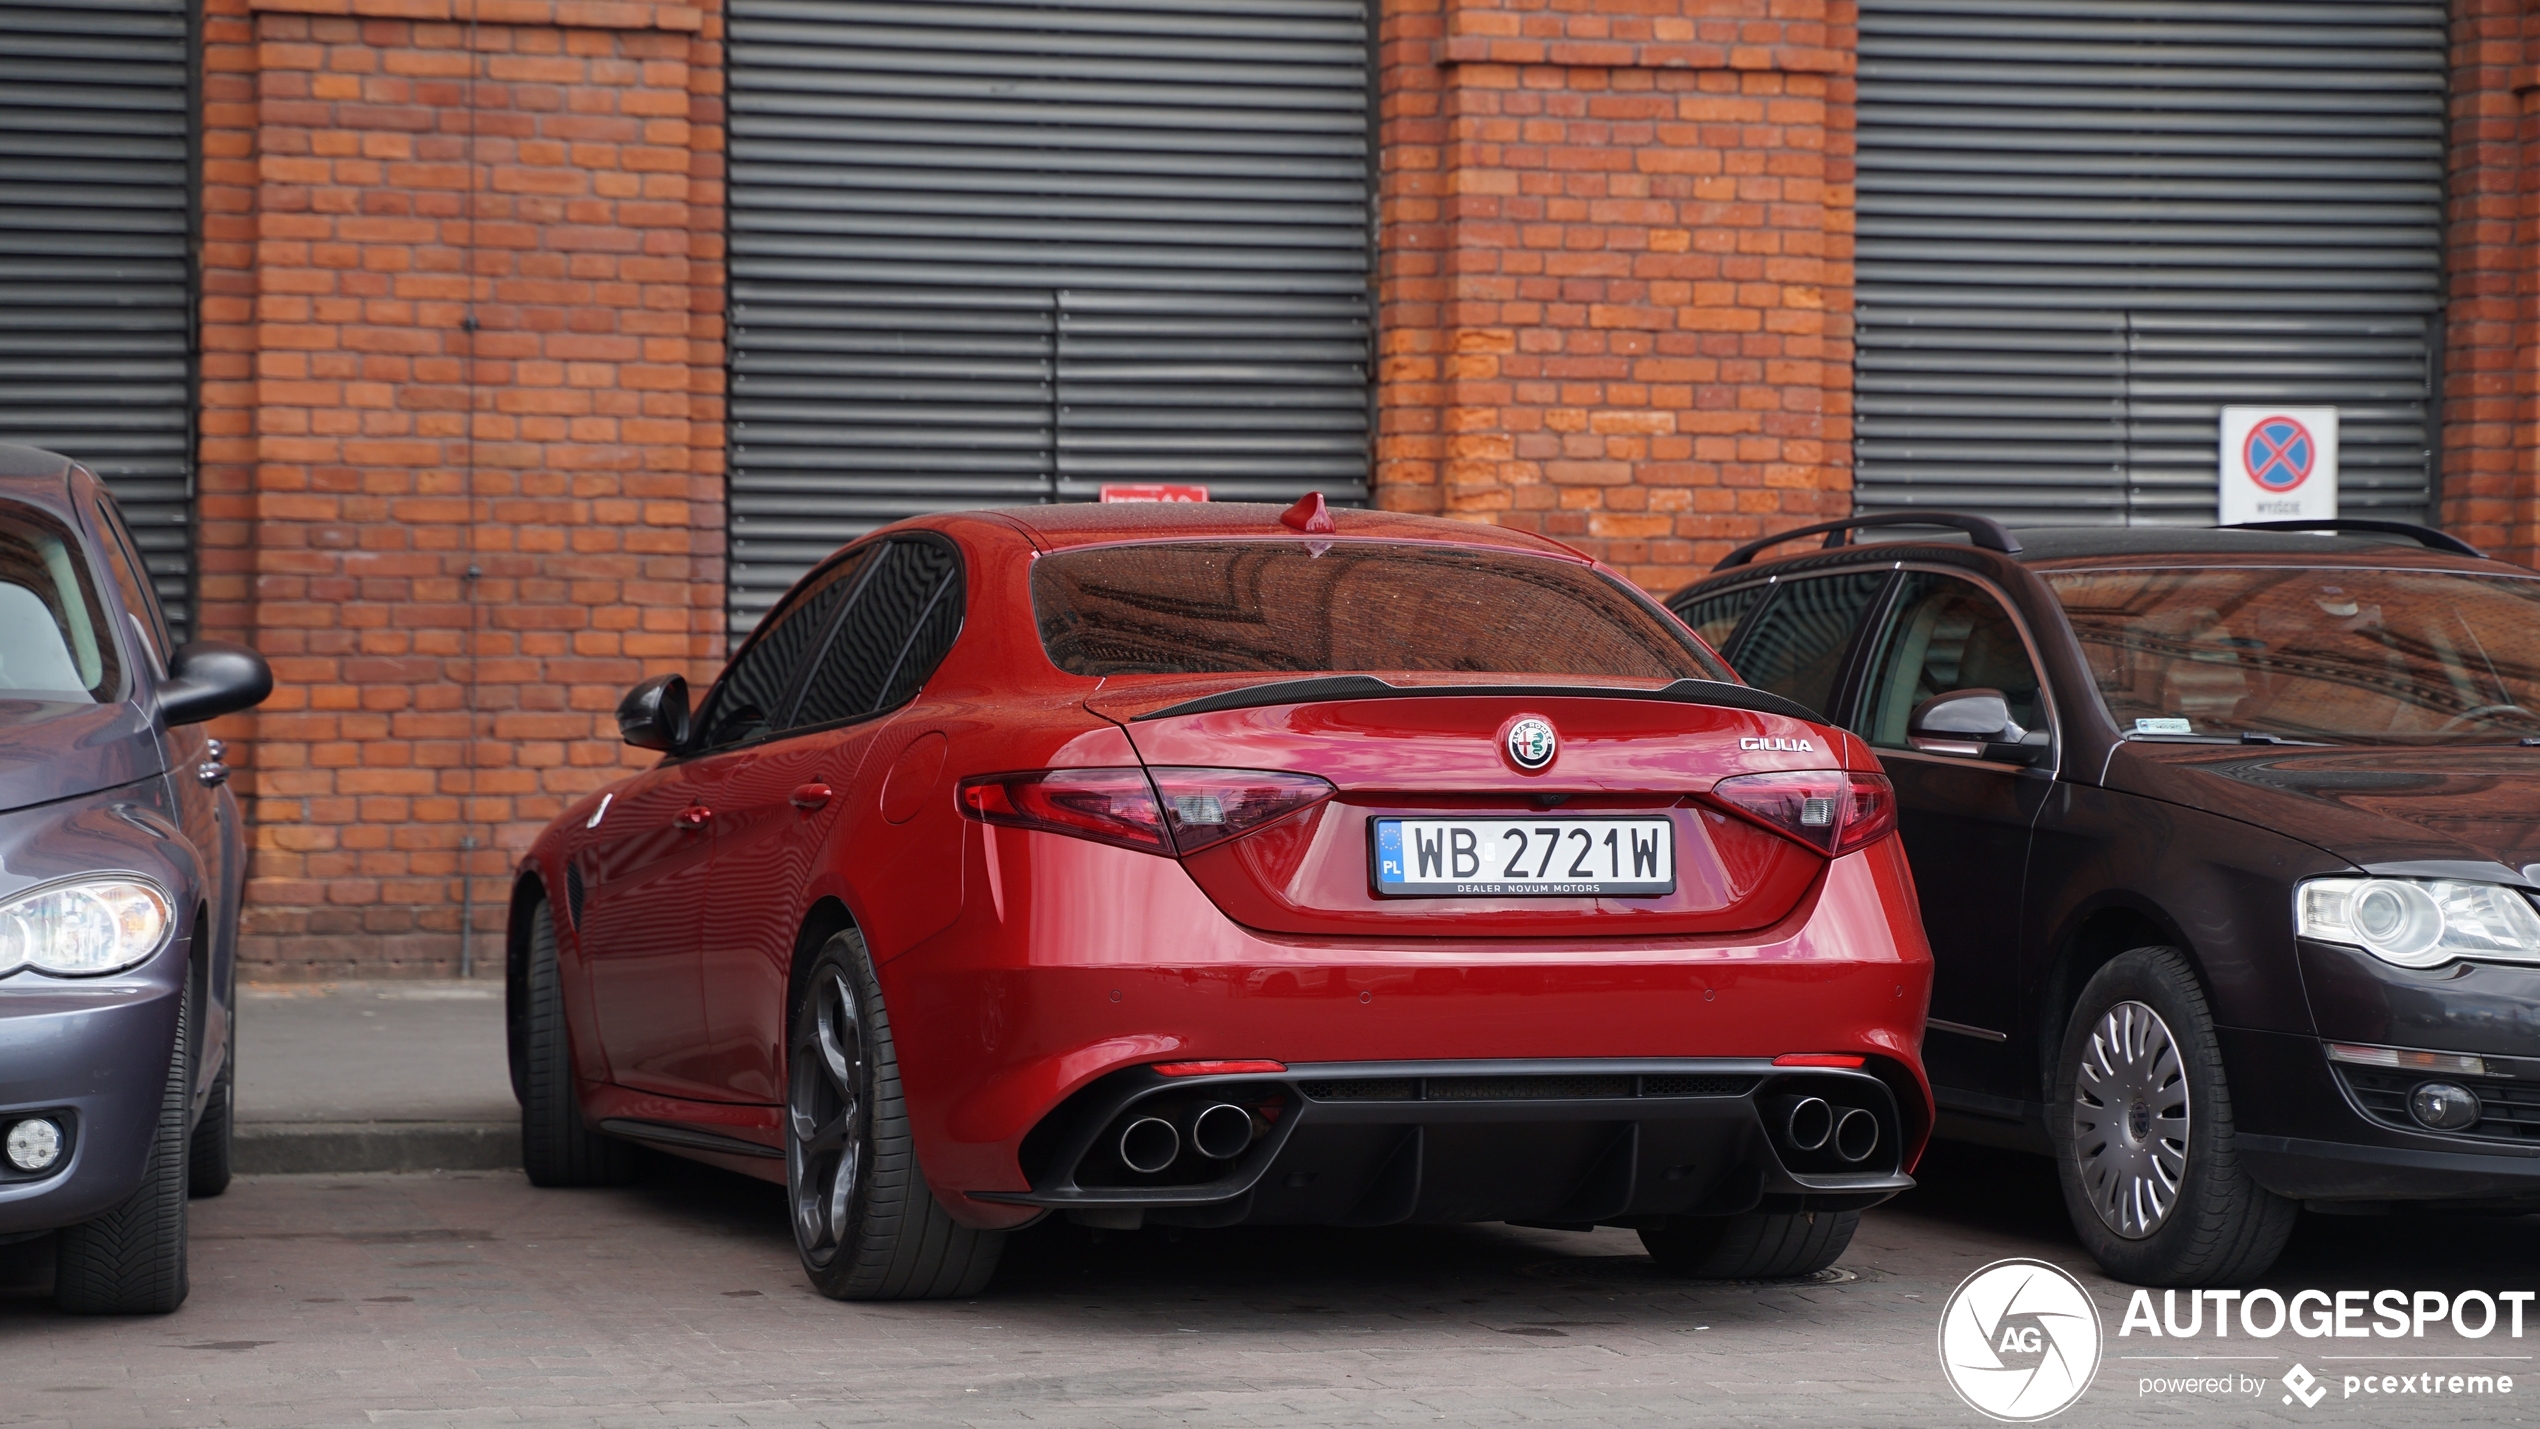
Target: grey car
(121, 866)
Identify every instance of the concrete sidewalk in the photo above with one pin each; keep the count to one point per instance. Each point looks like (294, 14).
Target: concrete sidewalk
(374, 1076)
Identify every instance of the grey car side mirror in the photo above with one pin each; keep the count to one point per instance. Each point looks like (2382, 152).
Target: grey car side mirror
(654, 714)
(1975, 723)
(210, 678)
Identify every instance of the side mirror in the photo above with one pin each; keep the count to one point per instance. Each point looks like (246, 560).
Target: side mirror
(654, 714)
(211, 678)
(1974, 723)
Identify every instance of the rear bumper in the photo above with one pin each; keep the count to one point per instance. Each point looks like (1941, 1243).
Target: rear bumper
(1072, 962)
(1382, 1143)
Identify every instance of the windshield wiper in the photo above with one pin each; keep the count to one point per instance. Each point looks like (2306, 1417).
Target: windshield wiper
(2252, 736)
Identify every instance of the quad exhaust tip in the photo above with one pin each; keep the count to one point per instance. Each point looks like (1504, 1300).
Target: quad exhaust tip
(1149, 1145)
(1856, 1134)
(1807, 1123)
(1222, 1132)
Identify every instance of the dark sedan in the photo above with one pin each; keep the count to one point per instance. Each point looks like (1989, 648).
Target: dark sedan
(2226, 846)
(120, 869)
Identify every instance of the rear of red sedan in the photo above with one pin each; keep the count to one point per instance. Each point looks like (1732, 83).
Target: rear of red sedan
(1403, 872)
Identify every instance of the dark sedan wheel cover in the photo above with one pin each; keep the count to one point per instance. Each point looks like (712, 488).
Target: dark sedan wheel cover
(825, 1105)
(2130, 1120)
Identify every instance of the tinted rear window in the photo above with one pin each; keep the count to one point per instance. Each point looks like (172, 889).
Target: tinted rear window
(1345, 607)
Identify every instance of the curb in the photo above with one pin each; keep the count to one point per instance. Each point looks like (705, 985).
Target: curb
(303, 1147)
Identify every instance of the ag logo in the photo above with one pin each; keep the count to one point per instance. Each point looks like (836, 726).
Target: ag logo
(2019, 1341)
(1531, 743)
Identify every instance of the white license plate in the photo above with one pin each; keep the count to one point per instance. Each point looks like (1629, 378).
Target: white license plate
(1524, 858)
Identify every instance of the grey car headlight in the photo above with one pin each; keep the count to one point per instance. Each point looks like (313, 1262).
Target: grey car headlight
(87, 926)
(2420, 922)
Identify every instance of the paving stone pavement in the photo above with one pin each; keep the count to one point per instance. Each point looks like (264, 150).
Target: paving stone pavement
(473, 1299)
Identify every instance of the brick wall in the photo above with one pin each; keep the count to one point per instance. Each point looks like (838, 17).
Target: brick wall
(461, 313)
(1615, 267)
(2490, 405)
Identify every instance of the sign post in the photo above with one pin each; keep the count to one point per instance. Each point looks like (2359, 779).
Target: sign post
(2279, 464)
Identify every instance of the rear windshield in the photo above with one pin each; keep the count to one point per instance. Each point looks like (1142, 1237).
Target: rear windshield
(2332, 653)
(1348, 607)
(54, 644)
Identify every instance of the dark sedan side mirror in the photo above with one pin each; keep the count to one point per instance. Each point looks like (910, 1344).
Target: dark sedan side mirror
(211, 678)
(1975, 723)
(654, 714)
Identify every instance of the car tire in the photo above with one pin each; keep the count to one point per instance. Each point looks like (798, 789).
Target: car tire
(557, 1148)
(209, 1154)
(1760, 1245)
(131, 1260)
(2144, 1142)
(865, 1223)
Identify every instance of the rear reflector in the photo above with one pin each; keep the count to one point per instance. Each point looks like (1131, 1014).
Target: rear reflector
(1818, 1059)
(1204, 807)
(1831, 811)
(1199, 807)
(1113, 806)
(1215, 1069)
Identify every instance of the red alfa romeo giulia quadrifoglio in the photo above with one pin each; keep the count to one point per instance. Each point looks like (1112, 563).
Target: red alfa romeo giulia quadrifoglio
(1205, 865)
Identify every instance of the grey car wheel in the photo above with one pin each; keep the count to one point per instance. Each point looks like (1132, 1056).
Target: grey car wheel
(2130, 1119)
(865, 1222)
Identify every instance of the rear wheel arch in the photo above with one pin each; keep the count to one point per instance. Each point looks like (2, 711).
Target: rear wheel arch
(825, 919)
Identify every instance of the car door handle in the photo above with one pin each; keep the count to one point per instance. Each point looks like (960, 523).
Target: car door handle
(812, 796)
(695, 816)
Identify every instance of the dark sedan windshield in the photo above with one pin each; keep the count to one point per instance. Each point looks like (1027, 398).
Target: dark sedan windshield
(1348, 607)
(54, 644)
(2327, 653)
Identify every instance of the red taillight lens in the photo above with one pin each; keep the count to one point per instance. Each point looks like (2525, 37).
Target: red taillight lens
(1830, 811)
(1200, 807)
(1113, 806)
(1205, 807)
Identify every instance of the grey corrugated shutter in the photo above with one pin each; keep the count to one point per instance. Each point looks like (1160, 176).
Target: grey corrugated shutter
(2086, 225)
(993, 254)
(96, 335)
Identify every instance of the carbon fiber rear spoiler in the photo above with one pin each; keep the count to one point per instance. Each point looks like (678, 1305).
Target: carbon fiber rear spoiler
(1322, 688)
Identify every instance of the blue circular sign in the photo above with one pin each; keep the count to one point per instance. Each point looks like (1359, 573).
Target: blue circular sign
(2279, 453)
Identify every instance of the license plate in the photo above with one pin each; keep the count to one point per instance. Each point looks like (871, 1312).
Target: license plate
(1525, 858)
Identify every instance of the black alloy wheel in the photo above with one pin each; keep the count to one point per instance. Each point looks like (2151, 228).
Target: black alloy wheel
(557, 1148)
(1759, 1245)
(2144, 1140)
(865, 1223)
(131, 1260)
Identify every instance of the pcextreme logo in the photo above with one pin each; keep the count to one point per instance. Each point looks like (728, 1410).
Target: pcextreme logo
(2019, 1341)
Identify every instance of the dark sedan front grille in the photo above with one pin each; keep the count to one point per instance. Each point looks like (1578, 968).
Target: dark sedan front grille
(2508, 1110)
(1523, 1088)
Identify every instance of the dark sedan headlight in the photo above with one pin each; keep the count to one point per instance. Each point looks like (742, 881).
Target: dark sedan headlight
(2421, 922)
(84, 927)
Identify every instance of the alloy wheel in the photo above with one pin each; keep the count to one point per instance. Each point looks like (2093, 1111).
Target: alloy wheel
(2130, 1120)
(824, 1109)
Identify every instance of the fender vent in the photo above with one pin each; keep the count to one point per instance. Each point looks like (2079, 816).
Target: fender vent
(573, 892)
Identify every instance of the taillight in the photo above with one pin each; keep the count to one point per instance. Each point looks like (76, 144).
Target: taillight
(1831, 811)
(1206, 807)
(1113, 806)
(1200, 807)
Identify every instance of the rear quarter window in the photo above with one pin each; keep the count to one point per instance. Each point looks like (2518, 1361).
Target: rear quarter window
(1344, 607)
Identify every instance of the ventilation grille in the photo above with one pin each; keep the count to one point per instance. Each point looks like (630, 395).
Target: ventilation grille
(573, 891)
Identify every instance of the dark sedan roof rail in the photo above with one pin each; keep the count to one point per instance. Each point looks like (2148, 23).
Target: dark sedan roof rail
(2425, 536)
(1986, 532)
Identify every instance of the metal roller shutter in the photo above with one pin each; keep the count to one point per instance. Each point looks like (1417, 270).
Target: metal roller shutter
(2086, 225)
(992, 254)
(96, 125)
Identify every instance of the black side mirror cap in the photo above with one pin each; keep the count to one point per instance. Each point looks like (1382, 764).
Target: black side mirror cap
(654, 714)
(2030, 748)
(210, 678)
